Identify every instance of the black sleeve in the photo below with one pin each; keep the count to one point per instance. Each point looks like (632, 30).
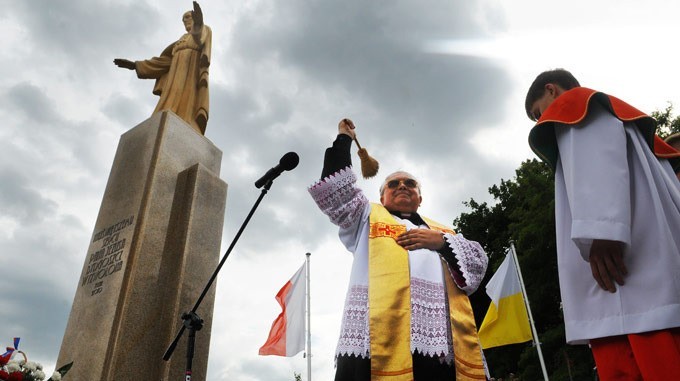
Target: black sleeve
(447, 253)
(338, 156)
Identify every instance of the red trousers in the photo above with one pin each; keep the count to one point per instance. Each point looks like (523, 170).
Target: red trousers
(649, 356)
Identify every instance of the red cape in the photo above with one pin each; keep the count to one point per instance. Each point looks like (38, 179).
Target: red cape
(572, 107)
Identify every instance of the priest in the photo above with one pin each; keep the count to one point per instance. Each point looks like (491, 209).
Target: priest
(407, 315)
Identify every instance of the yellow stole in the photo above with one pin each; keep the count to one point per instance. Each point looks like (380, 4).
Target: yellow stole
(389, 306)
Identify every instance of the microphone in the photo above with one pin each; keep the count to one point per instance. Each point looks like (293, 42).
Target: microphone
(287, 162)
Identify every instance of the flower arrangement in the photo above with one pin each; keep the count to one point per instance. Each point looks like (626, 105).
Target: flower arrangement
(16, 368)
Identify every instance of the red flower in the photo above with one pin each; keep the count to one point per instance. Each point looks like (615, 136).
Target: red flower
(16, 376)
(4, 375)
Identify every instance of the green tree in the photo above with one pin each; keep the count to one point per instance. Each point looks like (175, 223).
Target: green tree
(667, 123)
(524, 212)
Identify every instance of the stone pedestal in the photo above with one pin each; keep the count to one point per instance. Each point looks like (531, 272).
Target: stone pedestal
(155, 244)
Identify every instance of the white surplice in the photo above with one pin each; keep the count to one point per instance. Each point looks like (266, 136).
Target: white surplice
(609, 185)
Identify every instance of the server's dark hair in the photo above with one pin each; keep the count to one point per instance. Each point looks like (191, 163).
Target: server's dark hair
(559, 77)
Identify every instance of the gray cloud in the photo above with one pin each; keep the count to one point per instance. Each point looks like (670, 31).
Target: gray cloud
(37, 289)
(81, 32)
(301, 68)
(124, 110)
(31, 103)
(375, 54)
(36, 314)
(19, 201)
(48, 135)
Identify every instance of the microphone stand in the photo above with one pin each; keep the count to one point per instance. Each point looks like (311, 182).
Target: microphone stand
(192, 321)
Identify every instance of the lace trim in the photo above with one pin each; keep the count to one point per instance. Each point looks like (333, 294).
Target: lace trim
(430, 331)
(430, 328)
(354, 335)
(338, 197)
(472, 260)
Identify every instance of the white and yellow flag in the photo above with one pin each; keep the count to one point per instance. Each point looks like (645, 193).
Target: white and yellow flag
(507, 321)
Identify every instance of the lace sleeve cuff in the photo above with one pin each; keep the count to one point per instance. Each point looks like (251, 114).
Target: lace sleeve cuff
(471, 259)
(339, 198)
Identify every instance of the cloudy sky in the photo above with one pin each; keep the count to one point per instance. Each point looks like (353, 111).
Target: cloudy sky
(435, 88)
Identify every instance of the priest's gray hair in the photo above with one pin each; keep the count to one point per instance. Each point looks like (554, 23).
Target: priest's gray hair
(399, 173)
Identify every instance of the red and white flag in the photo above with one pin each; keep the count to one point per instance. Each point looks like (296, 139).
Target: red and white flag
(287, 336)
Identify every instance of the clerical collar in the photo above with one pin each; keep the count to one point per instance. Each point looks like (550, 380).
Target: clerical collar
(413, 217)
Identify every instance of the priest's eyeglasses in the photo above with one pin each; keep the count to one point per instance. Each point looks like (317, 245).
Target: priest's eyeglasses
(408, 183)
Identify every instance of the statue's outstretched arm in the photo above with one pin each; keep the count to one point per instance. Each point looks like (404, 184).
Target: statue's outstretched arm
(125, 64)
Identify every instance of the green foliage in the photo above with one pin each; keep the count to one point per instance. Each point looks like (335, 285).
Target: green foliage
(524, 213)
(564, 362)
(667, 124)
(298, 377)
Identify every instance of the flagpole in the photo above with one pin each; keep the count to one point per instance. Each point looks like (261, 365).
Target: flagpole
(309, 323)
(531, 319)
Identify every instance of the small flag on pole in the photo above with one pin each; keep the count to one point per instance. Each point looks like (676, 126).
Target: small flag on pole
(287, 335)
(5, 357)
(506, 321)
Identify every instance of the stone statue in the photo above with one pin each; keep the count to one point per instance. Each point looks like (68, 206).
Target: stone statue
(181, 72)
